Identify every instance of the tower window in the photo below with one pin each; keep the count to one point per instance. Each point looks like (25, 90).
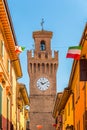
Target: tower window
(31, 67)
(43, 67)
(42, 46)
(34, 68)
(51, 68)
(38, 67)
(47, 68)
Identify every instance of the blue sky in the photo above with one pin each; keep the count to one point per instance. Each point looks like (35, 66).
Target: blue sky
(65, 18)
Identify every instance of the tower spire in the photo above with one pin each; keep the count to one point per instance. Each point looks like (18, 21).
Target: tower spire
(42, 22)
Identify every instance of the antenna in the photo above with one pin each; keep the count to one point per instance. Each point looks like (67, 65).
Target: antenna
(42, 22)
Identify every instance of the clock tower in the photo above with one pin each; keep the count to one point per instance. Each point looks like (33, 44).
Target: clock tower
(42, 69)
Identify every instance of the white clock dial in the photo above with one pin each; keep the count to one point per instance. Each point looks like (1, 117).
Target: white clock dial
(43, 83)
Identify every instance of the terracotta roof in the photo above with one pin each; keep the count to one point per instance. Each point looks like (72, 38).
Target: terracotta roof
(9, 34)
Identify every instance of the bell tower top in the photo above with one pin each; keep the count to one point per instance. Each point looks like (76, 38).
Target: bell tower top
(42, 40)
(42, 34)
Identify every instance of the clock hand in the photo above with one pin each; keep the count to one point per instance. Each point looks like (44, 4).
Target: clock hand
(45, 82)
(42, 83)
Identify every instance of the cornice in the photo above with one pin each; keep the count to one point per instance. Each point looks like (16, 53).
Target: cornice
(9, 35)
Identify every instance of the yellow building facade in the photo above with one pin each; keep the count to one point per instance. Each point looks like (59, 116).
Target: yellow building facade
(56, 114)
(67, 107)
(78, 87)
(63, 110)
(22, 107)
(10, 72)
(73, 103)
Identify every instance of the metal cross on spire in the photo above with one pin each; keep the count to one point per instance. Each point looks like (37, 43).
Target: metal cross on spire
(42, 22)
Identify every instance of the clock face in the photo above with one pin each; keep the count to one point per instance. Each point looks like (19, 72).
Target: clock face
(43, 83)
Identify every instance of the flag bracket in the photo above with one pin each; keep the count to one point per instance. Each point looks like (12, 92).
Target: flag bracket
(14, 60)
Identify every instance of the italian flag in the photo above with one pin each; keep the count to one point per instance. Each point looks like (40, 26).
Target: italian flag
(74, 52)
(19, 49)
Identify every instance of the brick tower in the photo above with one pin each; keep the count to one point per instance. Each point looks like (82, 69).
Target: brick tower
(42, 69)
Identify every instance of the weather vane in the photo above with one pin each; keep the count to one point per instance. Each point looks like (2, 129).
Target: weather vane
(42, 22)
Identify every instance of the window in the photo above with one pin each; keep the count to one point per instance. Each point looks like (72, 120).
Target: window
(65, 114)
(31, 67)
(77, 91)
(51, 68)
(69, 109)
(8, 66)
(42, 46)
(78, 125)
(2, 48)
(72, 101)
(47, 68)
(38, 67)
(43, 68)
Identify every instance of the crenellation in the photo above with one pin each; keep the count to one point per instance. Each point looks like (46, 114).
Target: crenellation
(56, 54)
(42, 55)
(29, 53)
